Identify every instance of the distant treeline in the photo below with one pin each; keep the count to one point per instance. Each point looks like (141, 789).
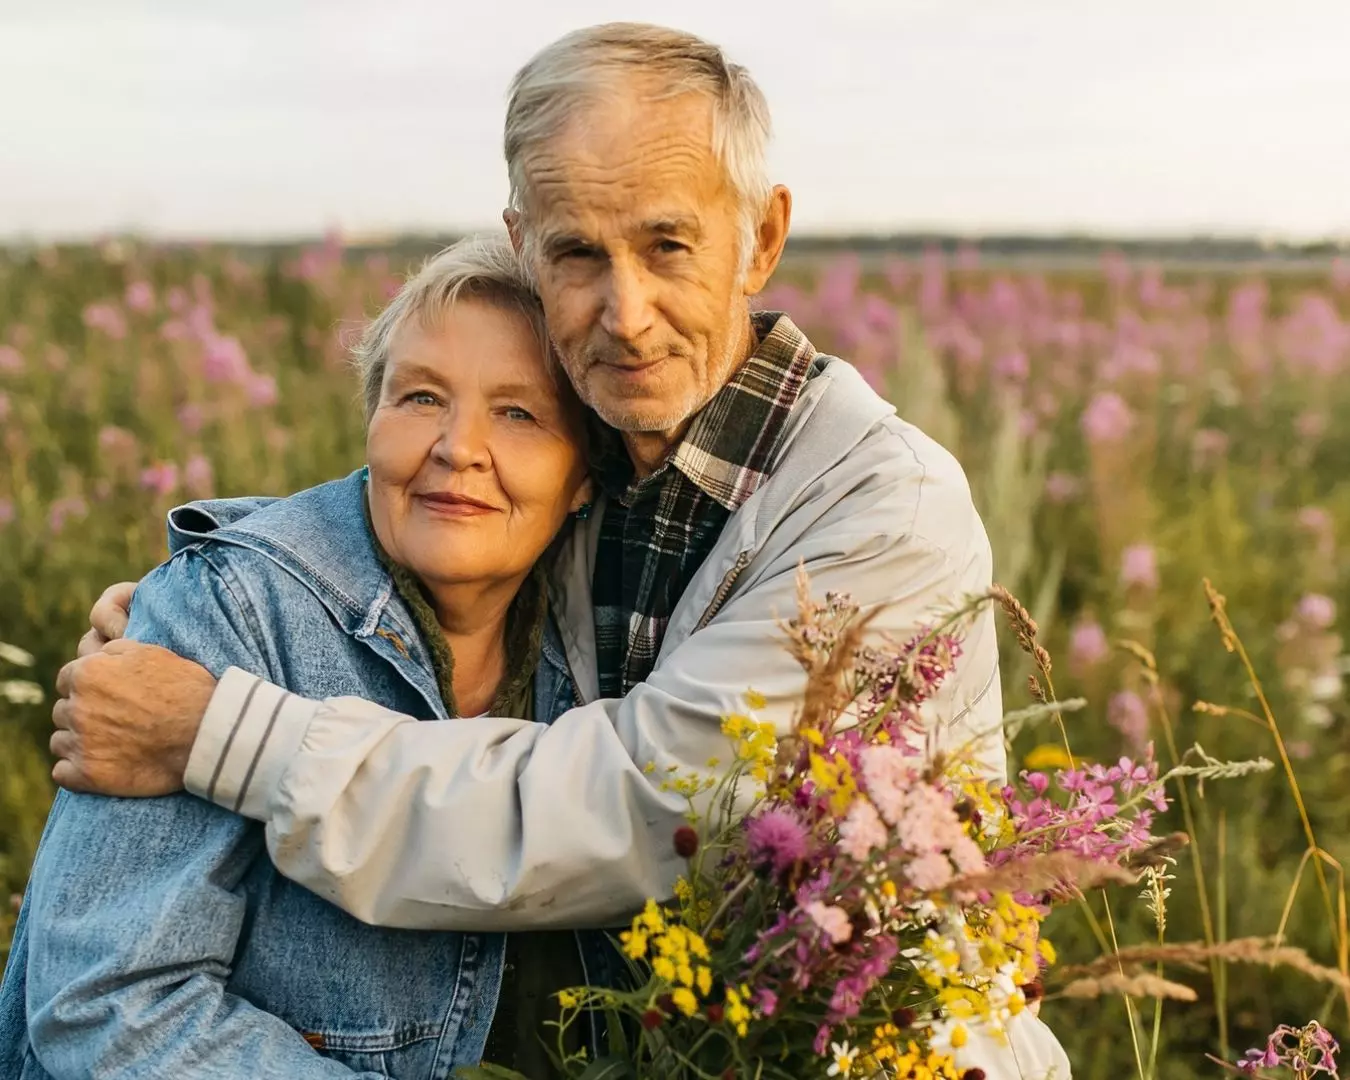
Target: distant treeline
(1064, 249)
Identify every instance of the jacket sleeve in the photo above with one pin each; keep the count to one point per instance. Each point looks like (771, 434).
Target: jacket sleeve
(500, 824)
(135, 917)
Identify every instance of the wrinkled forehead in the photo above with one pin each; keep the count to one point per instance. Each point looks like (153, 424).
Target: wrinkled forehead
(630, 163)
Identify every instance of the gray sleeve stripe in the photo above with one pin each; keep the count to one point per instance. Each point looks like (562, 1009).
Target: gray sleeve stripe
(257, 754)
(229, 741)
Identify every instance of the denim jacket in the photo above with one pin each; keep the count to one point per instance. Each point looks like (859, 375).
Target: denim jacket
(156, 938)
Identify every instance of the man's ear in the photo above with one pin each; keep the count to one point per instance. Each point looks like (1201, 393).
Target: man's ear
(512, 219)
(770, 239)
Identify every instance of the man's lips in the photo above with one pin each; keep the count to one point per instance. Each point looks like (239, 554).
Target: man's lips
(444, 502)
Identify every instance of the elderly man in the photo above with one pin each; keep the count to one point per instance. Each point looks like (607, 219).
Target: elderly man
(641, 206)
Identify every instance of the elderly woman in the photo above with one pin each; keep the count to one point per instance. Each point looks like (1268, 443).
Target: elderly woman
(157, 939)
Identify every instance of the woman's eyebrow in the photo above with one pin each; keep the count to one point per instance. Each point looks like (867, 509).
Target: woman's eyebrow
(403, 374)
(523, 389)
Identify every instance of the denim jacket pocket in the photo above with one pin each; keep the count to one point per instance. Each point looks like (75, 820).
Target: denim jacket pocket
(408, 1053)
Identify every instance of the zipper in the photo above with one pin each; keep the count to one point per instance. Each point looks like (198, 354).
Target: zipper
(719, 598)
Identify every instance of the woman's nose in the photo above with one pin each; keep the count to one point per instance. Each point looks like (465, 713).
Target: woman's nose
(463, 440)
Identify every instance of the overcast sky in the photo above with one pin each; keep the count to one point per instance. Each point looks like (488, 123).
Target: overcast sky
(280, 117)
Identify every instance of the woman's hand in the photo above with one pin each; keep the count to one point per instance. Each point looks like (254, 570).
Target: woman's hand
(108, 619)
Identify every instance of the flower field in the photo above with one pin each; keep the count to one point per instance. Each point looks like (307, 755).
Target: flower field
(1129, 431)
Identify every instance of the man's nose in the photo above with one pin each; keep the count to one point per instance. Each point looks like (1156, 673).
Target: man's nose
(463, 442)
(629, 309)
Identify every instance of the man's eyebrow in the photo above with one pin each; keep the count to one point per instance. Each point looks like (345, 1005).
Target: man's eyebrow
(674, 225)
(554, 243)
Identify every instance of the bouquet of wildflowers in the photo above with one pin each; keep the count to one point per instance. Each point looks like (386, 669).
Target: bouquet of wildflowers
(858, 903)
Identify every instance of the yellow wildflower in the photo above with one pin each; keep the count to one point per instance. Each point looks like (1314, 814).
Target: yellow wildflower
(634, 944)
(755, 700)
(704, 977)
(959, 1036)
(685, 1001)
(834, 778)
(1047, 756)
(737, 1011)
(663, 968)
(651, 917)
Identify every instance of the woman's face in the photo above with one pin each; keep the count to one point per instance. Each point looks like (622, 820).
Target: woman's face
(475, 453)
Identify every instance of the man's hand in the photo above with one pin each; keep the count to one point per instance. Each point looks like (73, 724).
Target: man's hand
(126, 719)
(108, 620)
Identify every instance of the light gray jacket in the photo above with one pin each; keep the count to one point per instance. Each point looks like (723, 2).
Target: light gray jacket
(500, 824)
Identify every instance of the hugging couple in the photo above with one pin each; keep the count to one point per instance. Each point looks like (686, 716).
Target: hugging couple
(411, 708)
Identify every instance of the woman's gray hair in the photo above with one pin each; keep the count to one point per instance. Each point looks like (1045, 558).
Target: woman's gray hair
(599, 62)
(479, 267)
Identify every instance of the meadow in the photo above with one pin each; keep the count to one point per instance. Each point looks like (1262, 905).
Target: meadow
(1129, 431)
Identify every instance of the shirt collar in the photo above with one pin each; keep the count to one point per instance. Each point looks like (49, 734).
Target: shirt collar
(732, 441)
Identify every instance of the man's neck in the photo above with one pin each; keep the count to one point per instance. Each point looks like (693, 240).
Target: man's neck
(649, 450)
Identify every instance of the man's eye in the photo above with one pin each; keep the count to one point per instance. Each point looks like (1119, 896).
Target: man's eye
(578, 252)
(421, 397)
(671, 247)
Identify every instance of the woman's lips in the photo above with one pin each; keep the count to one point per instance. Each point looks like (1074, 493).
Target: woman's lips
(455, 505)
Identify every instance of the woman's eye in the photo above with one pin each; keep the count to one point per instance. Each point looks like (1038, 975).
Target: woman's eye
(515, 412)
(421, 397)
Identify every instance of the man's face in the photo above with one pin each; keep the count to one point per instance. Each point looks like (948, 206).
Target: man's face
(634, 234)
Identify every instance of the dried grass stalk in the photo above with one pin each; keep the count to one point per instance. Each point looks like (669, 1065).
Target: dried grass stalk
(1141, 985)
(1041, 873)
(1192, 954)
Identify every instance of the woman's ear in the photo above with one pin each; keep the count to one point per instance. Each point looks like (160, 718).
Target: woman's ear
(585, 495)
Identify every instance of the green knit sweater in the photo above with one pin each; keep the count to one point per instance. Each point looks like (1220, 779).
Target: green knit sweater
(538, 963)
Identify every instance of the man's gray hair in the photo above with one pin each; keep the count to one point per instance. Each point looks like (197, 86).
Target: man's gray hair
(598, 62)
(478, 267)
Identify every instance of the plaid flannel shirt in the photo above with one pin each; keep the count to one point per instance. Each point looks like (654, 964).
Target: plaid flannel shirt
(659, 529)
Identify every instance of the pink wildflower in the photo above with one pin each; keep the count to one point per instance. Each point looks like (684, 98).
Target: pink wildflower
(1107, 418)
(262, 390)
(929, 872)
(140, 297)
(6, 512)
(1317, 612)
(106, 318)
(1139, 567)
(63, 510)
(11, 360)
(1088, 646)
(832, 920)
(1311, 425)
(160, 478)
(190, 418)
(224, 360)
(198, 477)
(1062, 487)
(1012, 366)
(4, 406)
(861, 831)
(1315, 519)
(1128, 714)
(887, 774)
(776, 838)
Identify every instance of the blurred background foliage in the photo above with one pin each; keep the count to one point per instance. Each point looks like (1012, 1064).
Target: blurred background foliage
(1128, 428)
